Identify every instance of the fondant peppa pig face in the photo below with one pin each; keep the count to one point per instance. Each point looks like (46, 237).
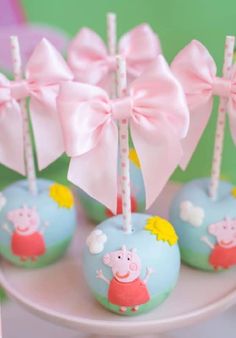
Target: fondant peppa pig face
(25, 220)
(125, 264)
(225, 233)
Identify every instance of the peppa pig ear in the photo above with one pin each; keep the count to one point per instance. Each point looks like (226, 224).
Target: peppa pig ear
(107, 260)
(123, 248)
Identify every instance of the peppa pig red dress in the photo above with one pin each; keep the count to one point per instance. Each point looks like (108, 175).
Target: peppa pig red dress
(128, 294)
(222, 257)
(28, 246)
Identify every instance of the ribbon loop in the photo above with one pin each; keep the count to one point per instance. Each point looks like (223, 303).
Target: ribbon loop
(91, 63)
(121, 108)
(221, 87)
(19, 89)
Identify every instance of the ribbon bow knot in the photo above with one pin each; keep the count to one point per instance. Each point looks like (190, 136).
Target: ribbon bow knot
(91, 63)
(45, 70)
(19, 89)
(221, 87)
(158, 119)
(122, 108)
(196, 70)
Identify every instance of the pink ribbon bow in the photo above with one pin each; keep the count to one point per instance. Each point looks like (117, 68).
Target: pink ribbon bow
(196, 70)
(45, 70)
(91, 63)
(158, 118)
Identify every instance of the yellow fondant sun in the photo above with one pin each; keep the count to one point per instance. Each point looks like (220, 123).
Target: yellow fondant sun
(233, 192)
(134, 157)
(61, 195)
(161, 228)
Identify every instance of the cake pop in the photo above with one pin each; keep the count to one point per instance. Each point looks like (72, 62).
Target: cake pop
(37, 216)
(204, 210)
(131, 261)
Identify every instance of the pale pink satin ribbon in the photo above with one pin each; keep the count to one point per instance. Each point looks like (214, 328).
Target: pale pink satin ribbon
(45, 70)
(91, 63)
(158, 118)
(196, 70)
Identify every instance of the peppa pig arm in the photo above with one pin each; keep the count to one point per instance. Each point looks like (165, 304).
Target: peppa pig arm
(100, 275)
(7, 229)
(45, 225)
(149, 271)
(207, 242)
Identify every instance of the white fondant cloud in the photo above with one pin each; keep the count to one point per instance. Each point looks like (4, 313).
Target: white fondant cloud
(192, 214)
(96, 241)
(3, 201)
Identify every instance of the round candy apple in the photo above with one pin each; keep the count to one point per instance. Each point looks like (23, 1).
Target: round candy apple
(97, 212)
(36, 230)
(132, 273)
(206, 227)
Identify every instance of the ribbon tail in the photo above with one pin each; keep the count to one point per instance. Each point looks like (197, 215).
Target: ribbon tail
(199, 118)
(11, 139)
(159, 158)
(95, 172)
(47, 129)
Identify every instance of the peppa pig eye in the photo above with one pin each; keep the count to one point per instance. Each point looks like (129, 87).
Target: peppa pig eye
(128, 259)
(119, 257)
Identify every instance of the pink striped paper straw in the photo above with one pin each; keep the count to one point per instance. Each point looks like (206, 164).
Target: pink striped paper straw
(220, 128)
(124, 148)
(111, 44)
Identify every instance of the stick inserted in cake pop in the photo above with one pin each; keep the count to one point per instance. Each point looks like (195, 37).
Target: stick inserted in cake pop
(124, 148)
(220, 129)
(28, 148)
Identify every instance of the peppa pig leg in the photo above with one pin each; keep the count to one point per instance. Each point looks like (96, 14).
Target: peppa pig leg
(34, 258)
(123, 309)
(135, 308)
(23, 258)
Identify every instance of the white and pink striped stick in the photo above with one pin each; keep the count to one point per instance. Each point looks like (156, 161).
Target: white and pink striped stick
(28, 148)
(124, 148)
(111, 44)
(220, 128)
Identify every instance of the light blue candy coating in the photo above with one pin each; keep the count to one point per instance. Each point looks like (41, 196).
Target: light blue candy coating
(163, 258)
(57, 235)
(194, 251)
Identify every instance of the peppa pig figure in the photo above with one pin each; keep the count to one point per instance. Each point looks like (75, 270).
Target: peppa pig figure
(223, 253)
(126, 289)
(27, 240)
